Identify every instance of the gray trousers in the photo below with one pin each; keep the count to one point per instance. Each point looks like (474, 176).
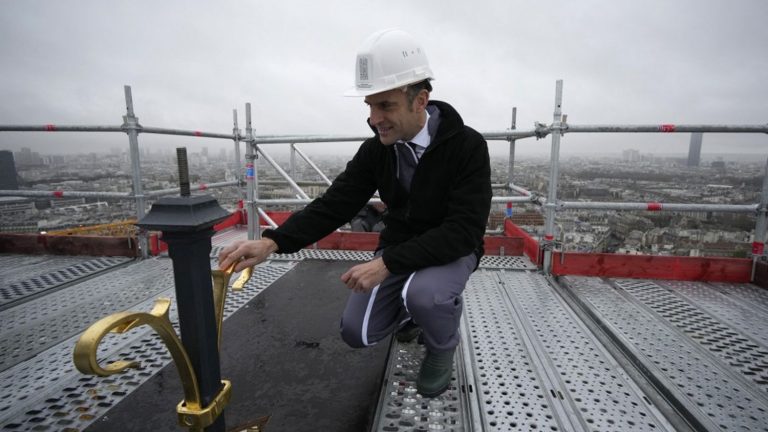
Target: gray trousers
(430, 296)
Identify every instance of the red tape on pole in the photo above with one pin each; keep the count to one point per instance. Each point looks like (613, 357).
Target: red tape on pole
(654, 206)
(50, 127)
(667, 128)
(58, 194)
(198, 133)
(203, 186)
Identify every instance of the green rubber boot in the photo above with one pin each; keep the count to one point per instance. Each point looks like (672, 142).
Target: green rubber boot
(435, 374)
(408, 332)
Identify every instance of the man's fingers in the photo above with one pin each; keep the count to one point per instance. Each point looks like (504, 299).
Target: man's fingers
(242, 265)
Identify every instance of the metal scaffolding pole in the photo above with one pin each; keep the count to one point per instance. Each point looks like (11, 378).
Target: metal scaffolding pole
(131, 127)
(292, 161)
(251, 179)
(312, 164)
(655, 206)
(304, 201)
(758, 242)
(665, 128)
(512, 142)
(282, 172)
(199, 187)
(68, 194)
(236, 139)
(549, 226)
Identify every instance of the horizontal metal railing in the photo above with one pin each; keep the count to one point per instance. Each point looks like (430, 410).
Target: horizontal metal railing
(556, 129)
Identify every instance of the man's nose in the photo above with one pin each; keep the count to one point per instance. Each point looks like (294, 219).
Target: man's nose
(375, 116)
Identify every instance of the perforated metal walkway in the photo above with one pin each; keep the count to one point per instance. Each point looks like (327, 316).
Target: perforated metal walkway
(579, 354)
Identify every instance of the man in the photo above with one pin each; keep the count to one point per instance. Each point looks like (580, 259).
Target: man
(433, 173)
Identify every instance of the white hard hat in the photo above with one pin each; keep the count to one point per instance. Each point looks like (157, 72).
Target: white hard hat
(389, 59)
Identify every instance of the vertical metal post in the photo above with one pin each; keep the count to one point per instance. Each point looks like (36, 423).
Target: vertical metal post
(131, 127)
(292, 162)
(549, 226)
(512, 143)
(251, 178)
(187, 223)
(236, 139)
(761, 223)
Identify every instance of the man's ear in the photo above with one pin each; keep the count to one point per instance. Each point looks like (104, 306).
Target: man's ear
(421, 100)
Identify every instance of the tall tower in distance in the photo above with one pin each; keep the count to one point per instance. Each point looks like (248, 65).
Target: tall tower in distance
(694, 150)
(8, 173)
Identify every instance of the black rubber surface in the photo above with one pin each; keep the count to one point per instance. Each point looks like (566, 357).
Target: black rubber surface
(283, 354)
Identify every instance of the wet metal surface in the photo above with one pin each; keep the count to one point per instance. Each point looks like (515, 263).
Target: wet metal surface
(583, 354)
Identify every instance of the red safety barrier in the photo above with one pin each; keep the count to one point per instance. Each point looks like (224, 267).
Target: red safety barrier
(530, 245)
(495, 245)
(344, 240)
(710, 269)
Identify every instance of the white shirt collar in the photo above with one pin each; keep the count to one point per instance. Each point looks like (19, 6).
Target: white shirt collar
(422, 139)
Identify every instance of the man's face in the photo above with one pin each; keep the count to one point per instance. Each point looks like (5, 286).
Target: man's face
(393, 117)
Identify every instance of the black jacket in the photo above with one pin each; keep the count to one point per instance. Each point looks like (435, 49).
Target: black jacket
(443, 218)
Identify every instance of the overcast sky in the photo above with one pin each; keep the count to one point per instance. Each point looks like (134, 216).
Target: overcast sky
(191, 62)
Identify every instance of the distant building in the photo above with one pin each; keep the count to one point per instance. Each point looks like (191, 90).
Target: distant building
(26, 157)
(630, 155)
(8, 175)
(694, 150)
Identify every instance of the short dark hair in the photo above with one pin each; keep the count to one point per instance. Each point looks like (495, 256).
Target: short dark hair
(412, 90)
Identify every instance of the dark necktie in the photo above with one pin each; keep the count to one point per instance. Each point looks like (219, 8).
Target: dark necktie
(407, 159)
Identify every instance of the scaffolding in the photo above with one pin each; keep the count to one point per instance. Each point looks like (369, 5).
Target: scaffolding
(255, 148)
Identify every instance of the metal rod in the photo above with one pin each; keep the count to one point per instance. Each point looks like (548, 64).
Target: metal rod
(512, 142)
(182, 132)
(666, 128)
(292, 161)
(515, 188)
(59, 128)
(654, 206)
(267, 219)
(758, 242)
(68, 194)
(299, 201)
(181, 158)
(282, 172)
(507, 135)
(553, 176)
(312, 164)
(251, 186)
(192, 188)
(131, 127)
(236, 140)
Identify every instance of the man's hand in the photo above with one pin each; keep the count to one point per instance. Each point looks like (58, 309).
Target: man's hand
(363, 277)
(246, 253)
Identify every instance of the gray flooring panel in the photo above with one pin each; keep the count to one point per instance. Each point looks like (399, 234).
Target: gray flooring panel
(23, 277)
(539, 367)
(714, 395)
(46, 392)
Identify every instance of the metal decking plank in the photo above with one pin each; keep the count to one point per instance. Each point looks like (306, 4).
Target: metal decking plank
(31, 327)
(508, 388)
(698, 387)
(726, 344)
(46, 390)
(743, 318)
(589, 382)
(401, 408)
